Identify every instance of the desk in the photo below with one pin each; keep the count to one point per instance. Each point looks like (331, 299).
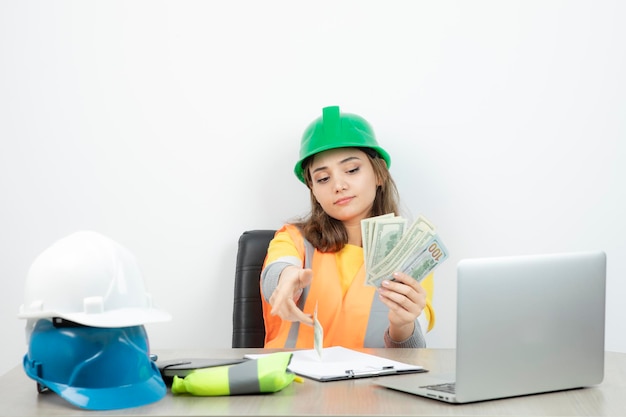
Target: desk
(18, 395)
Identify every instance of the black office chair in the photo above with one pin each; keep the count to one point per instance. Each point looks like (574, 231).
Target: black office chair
(248, 324)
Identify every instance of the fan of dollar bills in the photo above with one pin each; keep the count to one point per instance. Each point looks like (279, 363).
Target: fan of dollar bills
(389, 246)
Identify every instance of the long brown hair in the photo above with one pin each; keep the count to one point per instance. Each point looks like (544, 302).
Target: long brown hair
(328, 234)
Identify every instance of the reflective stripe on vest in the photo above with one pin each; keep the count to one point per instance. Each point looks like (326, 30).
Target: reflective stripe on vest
(295, 326)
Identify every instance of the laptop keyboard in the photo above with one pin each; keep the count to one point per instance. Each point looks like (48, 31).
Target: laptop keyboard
(448, 387)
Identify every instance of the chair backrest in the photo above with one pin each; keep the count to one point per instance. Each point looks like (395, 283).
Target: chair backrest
(248, 324)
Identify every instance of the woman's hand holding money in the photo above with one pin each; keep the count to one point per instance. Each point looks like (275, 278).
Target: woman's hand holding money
(406, 300)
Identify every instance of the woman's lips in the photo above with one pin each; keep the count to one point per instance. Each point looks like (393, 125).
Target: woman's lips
(343, 201)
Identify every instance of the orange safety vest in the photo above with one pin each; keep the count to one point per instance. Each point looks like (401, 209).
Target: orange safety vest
(358, 319)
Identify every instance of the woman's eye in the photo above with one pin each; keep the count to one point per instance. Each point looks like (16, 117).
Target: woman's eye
(353, 170)
(321, 180)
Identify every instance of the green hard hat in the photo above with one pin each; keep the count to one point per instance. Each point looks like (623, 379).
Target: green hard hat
(337, 130)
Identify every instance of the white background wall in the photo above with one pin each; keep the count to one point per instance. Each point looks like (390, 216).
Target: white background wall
(172, 127)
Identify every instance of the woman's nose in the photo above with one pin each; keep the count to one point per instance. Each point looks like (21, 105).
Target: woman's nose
(340, 185)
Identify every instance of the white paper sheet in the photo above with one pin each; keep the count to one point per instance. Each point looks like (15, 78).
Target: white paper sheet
(341, 363)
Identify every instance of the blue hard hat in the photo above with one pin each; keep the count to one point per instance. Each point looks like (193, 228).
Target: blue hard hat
(94, 368)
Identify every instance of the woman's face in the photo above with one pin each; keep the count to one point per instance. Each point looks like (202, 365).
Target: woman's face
(344, 183)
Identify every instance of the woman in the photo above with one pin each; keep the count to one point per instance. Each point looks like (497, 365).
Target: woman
(317, 262)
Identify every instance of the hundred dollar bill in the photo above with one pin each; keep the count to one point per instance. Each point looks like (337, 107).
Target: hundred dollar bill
(385, 236)
(420, 263)
(318, 334)
(431, 257)
(367, 231)
(411, 242)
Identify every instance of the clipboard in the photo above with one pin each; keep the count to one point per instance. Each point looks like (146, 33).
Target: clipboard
(339, 363)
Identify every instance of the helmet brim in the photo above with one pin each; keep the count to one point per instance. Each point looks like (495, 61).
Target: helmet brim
(124, 317)
(127, 396)
(299, 171)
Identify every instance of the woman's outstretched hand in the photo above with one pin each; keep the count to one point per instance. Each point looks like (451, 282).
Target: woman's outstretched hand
(284, 298)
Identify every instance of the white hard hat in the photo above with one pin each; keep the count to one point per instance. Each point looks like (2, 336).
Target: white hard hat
(88, 279)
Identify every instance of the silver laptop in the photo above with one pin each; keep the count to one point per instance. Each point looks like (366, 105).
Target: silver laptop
(525, 325)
